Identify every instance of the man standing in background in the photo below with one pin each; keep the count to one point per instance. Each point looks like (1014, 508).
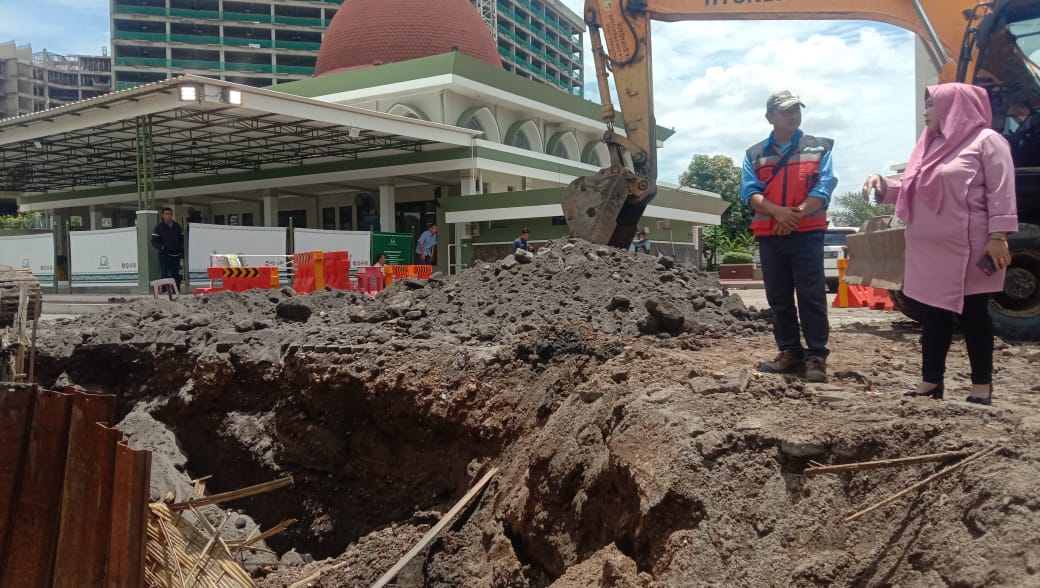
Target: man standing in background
(427, 245)
(168, 240)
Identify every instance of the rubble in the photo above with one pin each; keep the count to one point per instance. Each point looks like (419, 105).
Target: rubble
(614, 391)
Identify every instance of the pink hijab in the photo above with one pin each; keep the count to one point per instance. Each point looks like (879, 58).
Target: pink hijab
(963, 112)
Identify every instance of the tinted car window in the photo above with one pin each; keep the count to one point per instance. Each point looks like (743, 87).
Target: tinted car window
(835, 238)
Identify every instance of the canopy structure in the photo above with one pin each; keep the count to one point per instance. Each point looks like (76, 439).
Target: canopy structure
(190, 127)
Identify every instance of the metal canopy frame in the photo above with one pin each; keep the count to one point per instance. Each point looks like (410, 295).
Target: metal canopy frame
(187, 139)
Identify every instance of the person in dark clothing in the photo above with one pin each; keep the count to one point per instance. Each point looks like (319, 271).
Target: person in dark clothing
(520, 243)
(168, 239)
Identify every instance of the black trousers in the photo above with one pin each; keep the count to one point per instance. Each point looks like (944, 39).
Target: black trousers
(937, 334)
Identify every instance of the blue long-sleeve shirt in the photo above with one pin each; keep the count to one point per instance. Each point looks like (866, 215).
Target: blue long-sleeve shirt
(822, 189)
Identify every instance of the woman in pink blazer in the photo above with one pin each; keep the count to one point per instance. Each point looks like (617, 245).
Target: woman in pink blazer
(957, 199)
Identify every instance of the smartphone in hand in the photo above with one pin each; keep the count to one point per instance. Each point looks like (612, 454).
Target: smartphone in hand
(986, 265)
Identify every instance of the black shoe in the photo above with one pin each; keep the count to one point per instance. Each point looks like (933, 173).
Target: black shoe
(935, 393)
(787, 362)
(816, 368)
(987, 400)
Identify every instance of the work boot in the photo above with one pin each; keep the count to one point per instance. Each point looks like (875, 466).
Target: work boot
(787, 362)
(816, 368)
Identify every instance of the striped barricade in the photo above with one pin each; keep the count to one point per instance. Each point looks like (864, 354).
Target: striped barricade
(309, 271)
(240, 279)
(423, 272)
(337, 270)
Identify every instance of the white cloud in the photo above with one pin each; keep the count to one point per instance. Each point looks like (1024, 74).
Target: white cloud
(711, 80)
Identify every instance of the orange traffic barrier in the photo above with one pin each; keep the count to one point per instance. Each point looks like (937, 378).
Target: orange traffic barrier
(882, 301)
(400, 272)
(309, 271)
(240, 279)
(337, 270)
(850, 296)
(370, 280)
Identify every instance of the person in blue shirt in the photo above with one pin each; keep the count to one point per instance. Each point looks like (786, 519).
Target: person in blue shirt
(520, 243)
(640, 243)
(788, 179)
(427, 245)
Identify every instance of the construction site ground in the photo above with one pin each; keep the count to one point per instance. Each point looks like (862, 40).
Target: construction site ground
(617, 395)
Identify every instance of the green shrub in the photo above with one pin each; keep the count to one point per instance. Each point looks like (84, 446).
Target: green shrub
(737, 257)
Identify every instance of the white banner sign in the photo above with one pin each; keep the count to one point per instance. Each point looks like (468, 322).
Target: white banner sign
(32, 252)
(104, 258)
(357, 243)
(261, 246)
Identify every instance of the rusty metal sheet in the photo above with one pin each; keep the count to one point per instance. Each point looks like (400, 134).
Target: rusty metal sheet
(129, 517)
(86, 498)
(34, 529)
(16, 401)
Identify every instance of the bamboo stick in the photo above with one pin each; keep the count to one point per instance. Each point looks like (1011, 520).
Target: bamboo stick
(881, 463)
(433, 532)
(304, 581)
(263, 536)
(936, 476)
(234, 494)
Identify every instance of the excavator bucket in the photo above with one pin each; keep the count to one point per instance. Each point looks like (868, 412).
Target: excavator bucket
(598, 208)
(876, 255)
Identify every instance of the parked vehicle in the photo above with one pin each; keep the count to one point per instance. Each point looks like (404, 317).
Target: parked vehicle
(835, 248)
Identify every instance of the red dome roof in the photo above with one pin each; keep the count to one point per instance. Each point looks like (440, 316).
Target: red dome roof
(372, 32)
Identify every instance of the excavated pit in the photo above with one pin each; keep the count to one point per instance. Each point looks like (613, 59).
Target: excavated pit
(636, 446)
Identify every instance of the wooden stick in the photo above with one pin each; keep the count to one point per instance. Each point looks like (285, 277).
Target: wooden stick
(262, 536)
(234, 494)
(881, 463)
(303, 582)
(433, 532)
(936, 476)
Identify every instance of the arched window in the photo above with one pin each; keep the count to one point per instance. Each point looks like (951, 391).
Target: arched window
(480, 118)
(595, 153)
(525, 135)
(406, 110)
(563, 144)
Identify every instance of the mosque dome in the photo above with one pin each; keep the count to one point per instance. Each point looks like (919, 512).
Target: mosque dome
(373, 32)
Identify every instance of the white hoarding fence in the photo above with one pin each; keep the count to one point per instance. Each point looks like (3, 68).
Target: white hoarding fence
(32, 252)
(106, 257)
(357, 243)
(262, 246)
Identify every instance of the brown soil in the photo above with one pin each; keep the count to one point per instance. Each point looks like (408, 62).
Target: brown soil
(637, 445)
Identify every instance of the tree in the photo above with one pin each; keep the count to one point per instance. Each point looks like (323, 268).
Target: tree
(851, 210)
(717, 173)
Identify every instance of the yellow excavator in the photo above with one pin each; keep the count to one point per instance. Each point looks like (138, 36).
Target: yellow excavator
(994, 44)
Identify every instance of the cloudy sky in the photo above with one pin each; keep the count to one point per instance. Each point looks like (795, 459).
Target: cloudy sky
(711, 79)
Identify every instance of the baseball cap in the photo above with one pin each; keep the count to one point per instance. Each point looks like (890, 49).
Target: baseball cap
(783, 100)
(525, 230)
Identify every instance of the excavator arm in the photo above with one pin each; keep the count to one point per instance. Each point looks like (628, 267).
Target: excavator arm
(606, 207)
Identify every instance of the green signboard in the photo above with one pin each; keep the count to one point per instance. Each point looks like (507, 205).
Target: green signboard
(397, 247)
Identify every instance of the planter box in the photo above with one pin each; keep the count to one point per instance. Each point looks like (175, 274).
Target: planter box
(737, 271)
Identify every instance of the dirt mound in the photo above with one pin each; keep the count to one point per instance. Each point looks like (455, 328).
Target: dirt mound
(613, 390)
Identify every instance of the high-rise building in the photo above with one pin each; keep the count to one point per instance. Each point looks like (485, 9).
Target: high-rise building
(266, 42)
(538, 39)
(30, 82)
(254, 42)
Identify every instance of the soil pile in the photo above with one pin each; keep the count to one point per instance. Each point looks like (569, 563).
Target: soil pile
(637, 448)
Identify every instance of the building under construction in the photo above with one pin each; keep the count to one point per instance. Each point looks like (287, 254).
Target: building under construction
(30, 82)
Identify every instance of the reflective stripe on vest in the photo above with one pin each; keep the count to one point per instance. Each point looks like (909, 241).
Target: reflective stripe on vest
(793, 183)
